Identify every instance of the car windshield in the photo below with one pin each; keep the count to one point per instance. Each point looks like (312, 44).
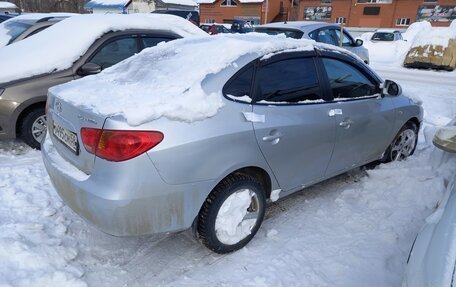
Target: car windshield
(10, 30)
(382, 36)
(289, 33)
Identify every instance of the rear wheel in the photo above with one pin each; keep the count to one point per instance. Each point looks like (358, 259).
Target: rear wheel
(231, 214)
(33, 128)
(403, 145)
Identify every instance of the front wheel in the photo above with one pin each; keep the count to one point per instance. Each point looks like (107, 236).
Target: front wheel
(231, 214)
(403, 145)
(33, 128)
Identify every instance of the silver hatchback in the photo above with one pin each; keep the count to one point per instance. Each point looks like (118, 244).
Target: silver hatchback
(319, 31)
(164, 141)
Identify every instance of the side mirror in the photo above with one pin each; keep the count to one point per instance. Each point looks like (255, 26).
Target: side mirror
(391, 88)
(358, 43)
(89, 69)
(445, 139)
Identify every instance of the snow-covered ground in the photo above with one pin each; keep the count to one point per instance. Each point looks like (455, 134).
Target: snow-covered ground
(353, 230)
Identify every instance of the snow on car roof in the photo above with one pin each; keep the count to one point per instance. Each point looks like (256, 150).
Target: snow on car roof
(166, 80)
(7, 5)
(59, 46)
(107, 3)
(180, 2)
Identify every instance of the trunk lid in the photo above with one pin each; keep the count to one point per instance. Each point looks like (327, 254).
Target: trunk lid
(65, 121)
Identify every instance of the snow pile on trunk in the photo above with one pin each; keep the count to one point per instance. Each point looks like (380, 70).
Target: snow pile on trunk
(433, 48)
(69, 39)
(34, 247)
(165, 81)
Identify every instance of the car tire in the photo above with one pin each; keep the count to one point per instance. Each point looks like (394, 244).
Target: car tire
(232, 214)
(403, 145)
(33, 128)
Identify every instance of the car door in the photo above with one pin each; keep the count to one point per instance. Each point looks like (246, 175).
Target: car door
(291, 122)
(364, 119)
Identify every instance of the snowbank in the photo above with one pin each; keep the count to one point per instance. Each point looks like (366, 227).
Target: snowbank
(69, 39)
(433, 36)
(34, 247)
(169, 85)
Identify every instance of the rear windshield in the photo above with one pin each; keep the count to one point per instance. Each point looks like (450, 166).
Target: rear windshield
(289, 33)
(13, 29)
(381, 36)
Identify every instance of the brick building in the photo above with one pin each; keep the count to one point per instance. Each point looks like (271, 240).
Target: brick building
(255, 11)
(354, 13)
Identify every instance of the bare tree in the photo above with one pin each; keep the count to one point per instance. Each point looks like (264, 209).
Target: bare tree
(75, 6)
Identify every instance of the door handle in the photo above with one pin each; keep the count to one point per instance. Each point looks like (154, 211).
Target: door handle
(346, 124)
(275, 137)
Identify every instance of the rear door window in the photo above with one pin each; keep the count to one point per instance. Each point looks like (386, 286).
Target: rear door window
(292, 80)
(346, 81)
(241, 84)
(153, 41)
(115, 51)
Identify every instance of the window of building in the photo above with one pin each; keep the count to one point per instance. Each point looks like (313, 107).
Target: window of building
(341, 20)
(371, 11)
(209, 21)
(430, 1)
(375, 1)
(229, 3)
(402, 21)
(326, 2)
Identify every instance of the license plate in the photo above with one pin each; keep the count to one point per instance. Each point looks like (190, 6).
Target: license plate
(69, 138)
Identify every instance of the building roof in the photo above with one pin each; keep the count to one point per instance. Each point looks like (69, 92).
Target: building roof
(240, 1)
(107, 4)
(7, 5)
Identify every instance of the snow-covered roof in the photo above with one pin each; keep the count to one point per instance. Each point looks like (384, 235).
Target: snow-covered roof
(7, 5)
(170, 84)
(65, 42)
(107, 3)
(240, 1)
(180, 2)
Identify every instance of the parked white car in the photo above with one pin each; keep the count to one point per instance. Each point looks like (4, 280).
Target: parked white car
(432, 259)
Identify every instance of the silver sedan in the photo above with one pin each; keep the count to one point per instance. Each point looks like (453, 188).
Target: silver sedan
(292, 113)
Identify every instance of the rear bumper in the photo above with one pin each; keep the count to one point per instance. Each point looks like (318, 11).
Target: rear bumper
(121, 200)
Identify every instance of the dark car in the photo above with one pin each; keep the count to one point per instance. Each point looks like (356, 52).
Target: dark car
(214, 28)
(241, 26)
(4, 17)
(192, 16)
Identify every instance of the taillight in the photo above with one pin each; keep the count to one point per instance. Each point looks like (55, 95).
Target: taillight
(115, 145)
